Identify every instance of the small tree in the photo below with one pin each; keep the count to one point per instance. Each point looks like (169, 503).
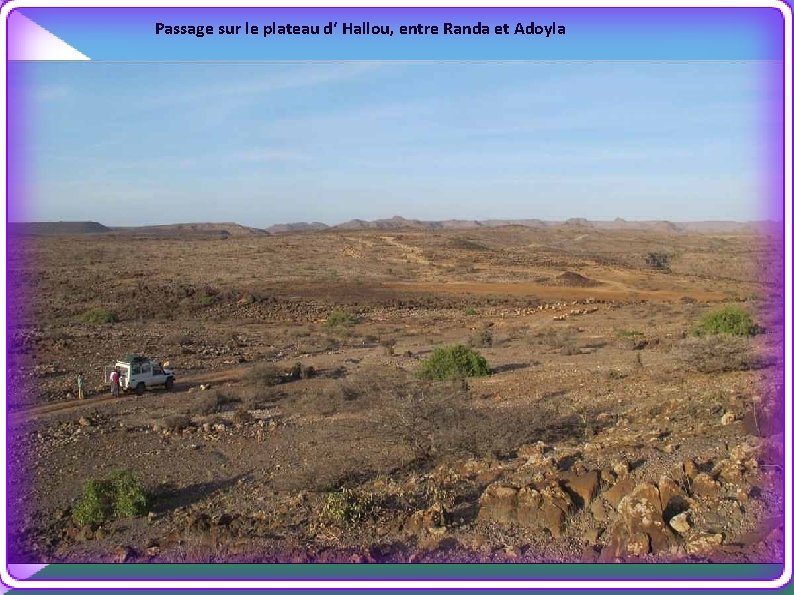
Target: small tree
(448, 363)
(730, 320)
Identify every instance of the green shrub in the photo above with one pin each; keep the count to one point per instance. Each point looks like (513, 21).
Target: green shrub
(121, 495)
(100, 316)
(340, 317)
(458, 361)
(346, 507)
(96, 504)
(129, 497)
(730, 320)
(471, 312)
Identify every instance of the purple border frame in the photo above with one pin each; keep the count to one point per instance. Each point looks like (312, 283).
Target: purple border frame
(11, 188)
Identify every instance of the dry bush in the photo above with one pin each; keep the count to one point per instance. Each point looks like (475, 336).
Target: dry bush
(484, 338)
(387, 345)
(426, 417)
(265, 374)
(570, 348)
(719, 353)
(320, 343)
(213, 401)
(299, 372)
(562, 340)
(659, 261)
(242, 417)
(254, 398)
(175, 423)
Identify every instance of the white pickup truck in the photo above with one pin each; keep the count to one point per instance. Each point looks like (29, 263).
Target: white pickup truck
(139, 373)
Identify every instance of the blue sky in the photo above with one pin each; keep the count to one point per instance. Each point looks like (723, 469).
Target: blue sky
(129, 144)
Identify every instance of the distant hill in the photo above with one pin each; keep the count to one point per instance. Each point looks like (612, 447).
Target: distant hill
(393, 223)
(386, 224)
(192, 229)
(519, 222)
(577, 222)
(53, 228)
(296, 227)
(177, 229)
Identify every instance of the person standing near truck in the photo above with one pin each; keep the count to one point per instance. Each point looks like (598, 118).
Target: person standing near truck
(114, 382)
(80, 393)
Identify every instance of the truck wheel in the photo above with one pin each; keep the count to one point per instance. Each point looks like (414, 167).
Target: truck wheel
(139, 388)
(169, 383)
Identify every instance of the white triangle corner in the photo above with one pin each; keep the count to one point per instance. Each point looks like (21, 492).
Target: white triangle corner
(29, 41)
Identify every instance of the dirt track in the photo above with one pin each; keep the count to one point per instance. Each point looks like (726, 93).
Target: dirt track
(192, 380)
(610, 292)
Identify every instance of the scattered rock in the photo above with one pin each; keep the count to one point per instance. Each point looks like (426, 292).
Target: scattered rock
(672, 497)
(598, 511)
(638, 544)
(591, 535)
(435, 517)
(544, 508)
(728, 418)
(85, 422)
(499, 503)
(534, 453)
(680, 523)
(608, 477)
(621, 469)
(703, 542)
(704, 486)
(123, 554)
(690, 469)
(618, 491)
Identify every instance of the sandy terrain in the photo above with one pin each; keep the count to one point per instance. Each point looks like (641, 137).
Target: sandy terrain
(606, 431)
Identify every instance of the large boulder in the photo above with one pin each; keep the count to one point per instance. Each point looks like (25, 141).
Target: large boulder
(672, 496)
(544, 506)
(583, 487)
(499, 503)
(618, 491)
(704, 486)
(640, 529)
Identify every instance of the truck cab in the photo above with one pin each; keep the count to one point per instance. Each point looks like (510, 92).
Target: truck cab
(139, 373)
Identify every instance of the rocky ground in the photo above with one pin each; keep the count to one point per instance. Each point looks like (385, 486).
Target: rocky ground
(606, 432)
